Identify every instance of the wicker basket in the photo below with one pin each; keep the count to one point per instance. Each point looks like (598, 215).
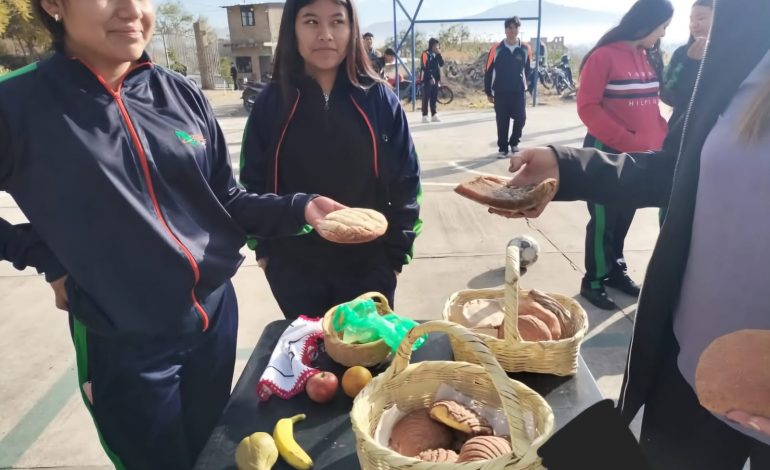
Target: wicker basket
(558, 357)
(414, 386)
(349, 355)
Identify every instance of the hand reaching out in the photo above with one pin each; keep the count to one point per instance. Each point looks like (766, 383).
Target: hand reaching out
(318, 208)
(531, 166)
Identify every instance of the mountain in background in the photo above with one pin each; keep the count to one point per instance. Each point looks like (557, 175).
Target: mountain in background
(579, 26)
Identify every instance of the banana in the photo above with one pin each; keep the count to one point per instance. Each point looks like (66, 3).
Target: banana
(291, 452)
(256, 452)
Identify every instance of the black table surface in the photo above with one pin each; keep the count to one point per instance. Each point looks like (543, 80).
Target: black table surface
(327, 434)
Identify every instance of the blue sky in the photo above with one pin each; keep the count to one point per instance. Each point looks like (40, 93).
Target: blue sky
(372, 11)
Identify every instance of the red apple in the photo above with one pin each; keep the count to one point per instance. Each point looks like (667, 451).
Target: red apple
(322, 387)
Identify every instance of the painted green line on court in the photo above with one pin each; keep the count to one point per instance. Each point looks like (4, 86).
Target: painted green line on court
(27, 431)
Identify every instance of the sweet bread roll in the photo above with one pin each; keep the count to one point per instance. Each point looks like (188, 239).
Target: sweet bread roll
(533, 329)
(733, 374)
(417, 432)
(460, 417)
(438, 456)
(494, 192)
(530, 307)
(353, 225)
(484, 448)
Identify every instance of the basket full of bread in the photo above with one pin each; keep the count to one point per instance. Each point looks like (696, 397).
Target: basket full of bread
(527, 331)
(449, 414)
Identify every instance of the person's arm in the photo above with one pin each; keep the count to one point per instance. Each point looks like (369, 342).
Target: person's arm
(24, 248)
(489, 71)
(527, 64)
(20, 244)
(263, 215)
(679, 79)
(425, 67)
(404, 190)
(590, 97)
(254, 165)
(440, 60)
(587, 174)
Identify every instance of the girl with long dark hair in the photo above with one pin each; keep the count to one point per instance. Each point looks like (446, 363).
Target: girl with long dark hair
(618, 103)
(328, 122)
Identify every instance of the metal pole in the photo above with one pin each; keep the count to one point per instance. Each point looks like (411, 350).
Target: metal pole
(414, 75)
(537, 58)
(396, 47)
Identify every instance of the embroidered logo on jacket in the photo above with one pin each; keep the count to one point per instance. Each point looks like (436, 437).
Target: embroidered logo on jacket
(196, 140)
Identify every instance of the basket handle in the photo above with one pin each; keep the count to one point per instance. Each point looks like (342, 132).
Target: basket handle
(376, 297)
(502, 383)
(511, 293)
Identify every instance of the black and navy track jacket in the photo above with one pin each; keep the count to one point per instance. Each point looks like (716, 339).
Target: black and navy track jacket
(431, 63)
(131, 193)
(396, 166)
(507, 71)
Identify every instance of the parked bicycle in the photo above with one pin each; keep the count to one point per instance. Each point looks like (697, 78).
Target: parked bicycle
(445, 93)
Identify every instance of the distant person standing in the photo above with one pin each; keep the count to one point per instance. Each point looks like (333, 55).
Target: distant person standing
(374, 56)
(234, 76)
(389, 67)
(679, 77)
(505, 84)
(431, 64)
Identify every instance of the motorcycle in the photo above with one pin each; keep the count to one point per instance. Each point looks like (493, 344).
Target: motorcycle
(250, 93)
(560, 77)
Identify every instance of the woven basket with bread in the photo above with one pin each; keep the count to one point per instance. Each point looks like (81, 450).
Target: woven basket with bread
(423, 439)
(539, 333)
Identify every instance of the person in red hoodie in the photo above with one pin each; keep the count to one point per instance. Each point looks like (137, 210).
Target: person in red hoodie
(618, 101)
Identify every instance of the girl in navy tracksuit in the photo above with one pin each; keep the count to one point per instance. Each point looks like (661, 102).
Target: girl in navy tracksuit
(137, 221)
(327, 123)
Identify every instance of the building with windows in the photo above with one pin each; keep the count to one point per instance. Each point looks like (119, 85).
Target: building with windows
(253, 36)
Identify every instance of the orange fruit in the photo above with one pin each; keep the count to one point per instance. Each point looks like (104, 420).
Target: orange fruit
(355, 379)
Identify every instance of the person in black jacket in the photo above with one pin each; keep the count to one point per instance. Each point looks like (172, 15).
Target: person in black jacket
(430, 69)
(234, 76)
(679, 76)
(137, 222)
(328, 122)
(505, 84)
(713, 238)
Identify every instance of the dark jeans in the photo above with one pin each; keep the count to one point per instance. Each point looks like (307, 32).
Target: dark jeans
(429, 98)
(510, 106)
(679, 434)
(305, 289)
(156, 401)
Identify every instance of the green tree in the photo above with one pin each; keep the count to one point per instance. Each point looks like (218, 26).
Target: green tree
(172, 18)
(28, 35)
(454, 36)
(13, 8)
(224, 70)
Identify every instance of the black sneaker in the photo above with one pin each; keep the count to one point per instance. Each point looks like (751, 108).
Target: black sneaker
(502, 154)
(621, 281)
(598, 297)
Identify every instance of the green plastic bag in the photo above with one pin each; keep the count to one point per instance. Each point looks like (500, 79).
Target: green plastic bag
(360, 323)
